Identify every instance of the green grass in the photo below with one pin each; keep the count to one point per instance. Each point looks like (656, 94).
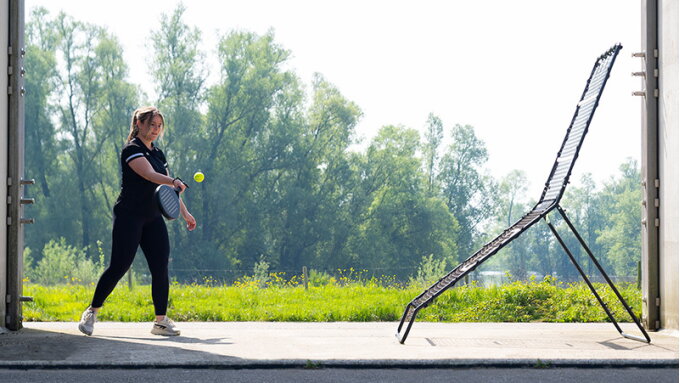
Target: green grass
(546, 301)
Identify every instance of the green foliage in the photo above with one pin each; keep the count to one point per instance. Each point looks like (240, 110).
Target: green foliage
(433, 137)
(28, 261)
(545, 301)
(261, 271)
(357, 300)
(261, 277)
(429, 271)
(607, 220)
(285, 180)
(320, 278)
(620, 237)
(61, 263)
(469, 193)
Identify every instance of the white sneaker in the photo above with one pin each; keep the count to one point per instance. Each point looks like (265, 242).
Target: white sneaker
(165, 327)
(86, 325)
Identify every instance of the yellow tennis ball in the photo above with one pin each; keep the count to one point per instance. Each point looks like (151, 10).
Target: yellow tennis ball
(199, 177)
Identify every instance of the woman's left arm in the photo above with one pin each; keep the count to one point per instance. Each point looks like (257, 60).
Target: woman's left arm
(191, 221)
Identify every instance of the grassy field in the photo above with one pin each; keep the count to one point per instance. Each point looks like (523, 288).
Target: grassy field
(544, 301)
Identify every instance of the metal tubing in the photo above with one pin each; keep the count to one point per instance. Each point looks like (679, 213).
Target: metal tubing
(585, 277)
(604, 274)
(403, 337)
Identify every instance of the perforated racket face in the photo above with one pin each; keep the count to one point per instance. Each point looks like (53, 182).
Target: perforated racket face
(168, 201)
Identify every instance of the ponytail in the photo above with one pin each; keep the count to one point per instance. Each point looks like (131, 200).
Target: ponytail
(134, 129)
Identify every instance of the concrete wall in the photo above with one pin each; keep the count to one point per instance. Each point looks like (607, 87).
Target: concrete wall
(669, 170)
(4, 42)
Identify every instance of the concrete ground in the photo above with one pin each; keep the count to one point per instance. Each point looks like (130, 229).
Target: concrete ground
(339, 344)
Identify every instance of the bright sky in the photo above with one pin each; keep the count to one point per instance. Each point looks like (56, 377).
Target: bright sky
(512, 69)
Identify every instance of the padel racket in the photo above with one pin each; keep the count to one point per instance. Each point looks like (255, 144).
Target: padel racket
(168, 201)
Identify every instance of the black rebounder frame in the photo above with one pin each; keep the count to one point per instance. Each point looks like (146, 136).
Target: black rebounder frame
(549, 201)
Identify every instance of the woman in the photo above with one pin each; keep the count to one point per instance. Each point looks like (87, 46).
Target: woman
(138, 222)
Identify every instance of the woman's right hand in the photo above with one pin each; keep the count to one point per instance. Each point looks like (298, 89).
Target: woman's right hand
(178, 184)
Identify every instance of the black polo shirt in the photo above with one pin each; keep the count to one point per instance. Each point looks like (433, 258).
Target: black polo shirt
(136, 193)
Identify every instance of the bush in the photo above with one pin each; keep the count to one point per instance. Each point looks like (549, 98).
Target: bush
(429, 271)
(62, 263)
(320, 278)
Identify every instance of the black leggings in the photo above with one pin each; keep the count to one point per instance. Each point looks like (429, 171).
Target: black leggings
(129, 232)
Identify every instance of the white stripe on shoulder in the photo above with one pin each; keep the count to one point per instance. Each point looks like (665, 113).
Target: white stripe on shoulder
(133, 156)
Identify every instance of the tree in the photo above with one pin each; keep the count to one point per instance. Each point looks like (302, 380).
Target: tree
(80, 83)
(469, 193)
(311, 188)
(512, 190)
(94, 104)
(434, 134)
(118, 99)
(401, 223)
(238, 148)
(583, 204)
(40, 82)
(41, 143)
(178, 70)
(621, 208)
(177, 66)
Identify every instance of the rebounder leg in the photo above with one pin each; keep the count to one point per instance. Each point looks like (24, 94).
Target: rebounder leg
(409, 317)
(604, 274)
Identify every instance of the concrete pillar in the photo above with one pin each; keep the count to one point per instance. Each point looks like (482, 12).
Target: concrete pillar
(13, 160)
(650, 168)
(4, 42)
(669, 170)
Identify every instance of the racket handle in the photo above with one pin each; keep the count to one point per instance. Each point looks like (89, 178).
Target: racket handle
(180, 180)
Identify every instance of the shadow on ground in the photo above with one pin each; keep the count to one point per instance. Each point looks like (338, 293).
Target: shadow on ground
(31, 345)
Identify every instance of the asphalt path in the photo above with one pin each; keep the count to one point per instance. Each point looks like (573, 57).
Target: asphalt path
(322, 375)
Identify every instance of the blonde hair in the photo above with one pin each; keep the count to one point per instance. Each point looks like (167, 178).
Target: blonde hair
(143, 115)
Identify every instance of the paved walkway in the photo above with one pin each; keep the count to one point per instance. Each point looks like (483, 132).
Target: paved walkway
(340, 344)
